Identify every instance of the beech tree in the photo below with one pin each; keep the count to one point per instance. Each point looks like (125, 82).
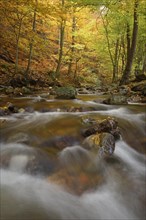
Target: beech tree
(131, 48)
(72, 41)
(113, 41)
(61, 38)
(32, 40)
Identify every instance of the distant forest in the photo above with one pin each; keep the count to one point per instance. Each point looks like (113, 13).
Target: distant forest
(93, 41)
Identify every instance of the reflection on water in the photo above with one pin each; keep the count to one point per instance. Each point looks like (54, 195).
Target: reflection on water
(46, 174)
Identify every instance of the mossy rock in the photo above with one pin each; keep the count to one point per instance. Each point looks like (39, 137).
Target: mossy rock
(66, 92)
(9, 90)
(26, 90)
(116, 99)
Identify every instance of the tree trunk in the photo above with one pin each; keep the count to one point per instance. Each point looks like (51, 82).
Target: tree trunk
(31, 43)
(128, 39)
(16, 57)
(144, 66)
(73, 43)
(127, 71)
(61, 43)
(123, 54)
(76, 67)
(17, 47)
(115, 64)
(112, 57)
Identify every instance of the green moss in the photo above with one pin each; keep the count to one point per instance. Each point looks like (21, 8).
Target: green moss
(66, 92)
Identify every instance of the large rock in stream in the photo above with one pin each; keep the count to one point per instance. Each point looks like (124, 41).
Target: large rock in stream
(81, 166)
(109, 125)
(101, 143)
(116, 99)
(66, 92)
(100, 137)
(22, 158)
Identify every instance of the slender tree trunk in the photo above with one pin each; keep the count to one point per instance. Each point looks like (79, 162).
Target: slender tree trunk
(73, 43)
(113, 61)
(61, 44)
(57, 72)
(128, 39)
(127, 71)
(16, 57)
(31, 42)
(118, 56)
(144, 66)
(123, 54)
(115, 64)
(17, 47)
(76, 67)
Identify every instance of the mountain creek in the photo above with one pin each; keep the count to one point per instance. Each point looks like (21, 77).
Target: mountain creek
(50, 171)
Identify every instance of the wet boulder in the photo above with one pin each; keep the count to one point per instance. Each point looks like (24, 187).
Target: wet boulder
(75, 159)
(79, 171)
(66, 92)
(8, 109)
(26, 90)
(18, 91)
(4, 111)
(24, 159)
(140, 87)
(124, 90)
(83, 91)
(101, 143)
(77, 183)
(116, 99)
(109, 125)
(9, 90)
(11, 107)
(88, 121)
(58, 143)
(135, 99)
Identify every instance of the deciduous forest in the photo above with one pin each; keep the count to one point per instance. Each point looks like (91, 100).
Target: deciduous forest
(80, 42)
(72, 109)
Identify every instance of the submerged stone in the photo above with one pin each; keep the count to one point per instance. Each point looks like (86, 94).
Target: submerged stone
(24, 159)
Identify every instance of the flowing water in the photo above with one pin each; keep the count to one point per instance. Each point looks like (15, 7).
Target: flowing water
(47, 175)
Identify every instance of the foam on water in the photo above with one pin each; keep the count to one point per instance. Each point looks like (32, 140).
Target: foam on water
(24, 197)
(135, 160)
(18, 163)
(74, 155)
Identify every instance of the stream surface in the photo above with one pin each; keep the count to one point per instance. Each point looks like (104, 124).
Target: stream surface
(47, 175)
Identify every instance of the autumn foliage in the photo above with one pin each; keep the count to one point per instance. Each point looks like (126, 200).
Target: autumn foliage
(72, 42)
